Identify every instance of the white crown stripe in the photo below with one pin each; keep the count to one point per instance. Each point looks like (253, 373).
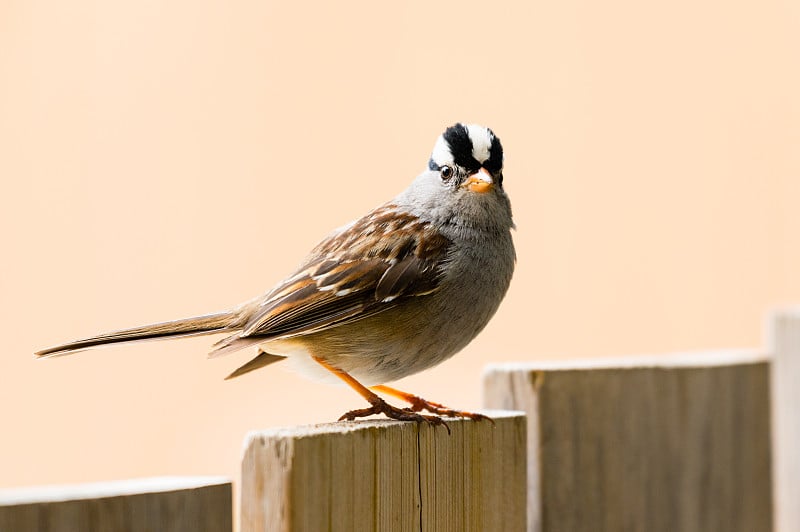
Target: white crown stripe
(481, 142)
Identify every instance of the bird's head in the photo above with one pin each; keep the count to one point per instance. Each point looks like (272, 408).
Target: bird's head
(470, 157)
(464, 180)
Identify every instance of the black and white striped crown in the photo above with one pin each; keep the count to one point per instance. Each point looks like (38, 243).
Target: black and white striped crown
(468, 146)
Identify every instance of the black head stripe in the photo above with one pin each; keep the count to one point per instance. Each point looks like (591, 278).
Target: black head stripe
(433, 166)
(457, 138)
(495, 162)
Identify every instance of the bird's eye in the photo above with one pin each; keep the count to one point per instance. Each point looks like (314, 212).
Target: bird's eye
(446, 172)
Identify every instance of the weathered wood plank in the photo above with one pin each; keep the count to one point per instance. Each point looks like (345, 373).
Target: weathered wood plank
(176, 504)
(785, 345)
(386, 475)
(650, 444)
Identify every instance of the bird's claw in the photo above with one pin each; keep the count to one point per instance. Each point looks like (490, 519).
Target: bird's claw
(418, 404)
(379, 406)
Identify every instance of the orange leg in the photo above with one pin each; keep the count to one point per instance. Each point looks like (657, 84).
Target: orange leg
(418, 403)
(379, 406)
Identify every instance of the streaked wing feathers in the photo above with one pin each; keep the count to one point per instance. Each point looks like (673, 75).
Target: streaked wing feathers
(364, 269)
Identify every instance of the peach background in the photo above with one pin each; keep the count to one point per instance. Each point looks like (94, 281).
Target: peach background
(164, 159)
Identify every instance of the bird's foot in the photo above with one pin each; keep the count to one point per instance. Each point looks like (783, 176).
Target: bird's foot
(418, 404)
(379, 406)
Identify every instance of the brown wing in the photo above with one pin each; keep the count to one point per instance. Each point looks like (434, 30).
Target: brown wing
(366, 268)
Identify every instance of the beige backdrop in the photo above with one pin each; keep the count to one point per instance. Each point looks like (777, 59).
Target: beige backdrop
(163, 159)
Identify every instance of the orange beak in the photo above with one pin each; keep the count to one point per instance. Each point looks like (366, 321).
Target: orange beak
(480, 182)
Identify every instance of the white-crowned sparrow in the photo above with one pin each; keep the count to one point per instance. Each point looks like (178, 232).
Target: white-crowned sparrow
(390, 294)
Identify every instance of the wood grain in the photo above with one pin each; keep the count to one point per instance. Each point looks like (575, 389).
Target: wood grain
(785, 345)
(387, 475)
(177, 504)
(677, 444)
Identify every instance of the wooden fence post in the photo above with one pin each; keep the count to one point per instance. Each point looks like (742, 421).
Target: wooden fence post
(785, 344)
(386, 475)
(657, 445)
(177, 504)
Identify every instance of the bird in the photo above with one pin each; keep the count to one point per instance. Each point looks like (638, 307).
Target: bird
(387, 295)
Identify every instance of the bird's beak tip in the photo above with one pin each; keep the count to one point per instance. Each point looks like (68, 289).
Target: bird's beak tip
(480, 182)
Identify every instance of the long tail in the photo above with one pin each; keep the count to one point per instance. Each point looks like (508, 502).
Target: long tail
(210, 324)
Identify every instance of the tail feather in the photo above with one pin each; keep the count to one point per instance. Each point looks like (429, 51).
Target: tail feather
(233, 343)
(262, 359)
(209, 324)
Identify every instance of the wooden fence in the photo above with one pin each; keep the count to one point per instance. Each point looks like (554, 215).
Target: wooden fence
(172, 503)
(785, 345)
(650, 445)
(387, 475)
(702, 442)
